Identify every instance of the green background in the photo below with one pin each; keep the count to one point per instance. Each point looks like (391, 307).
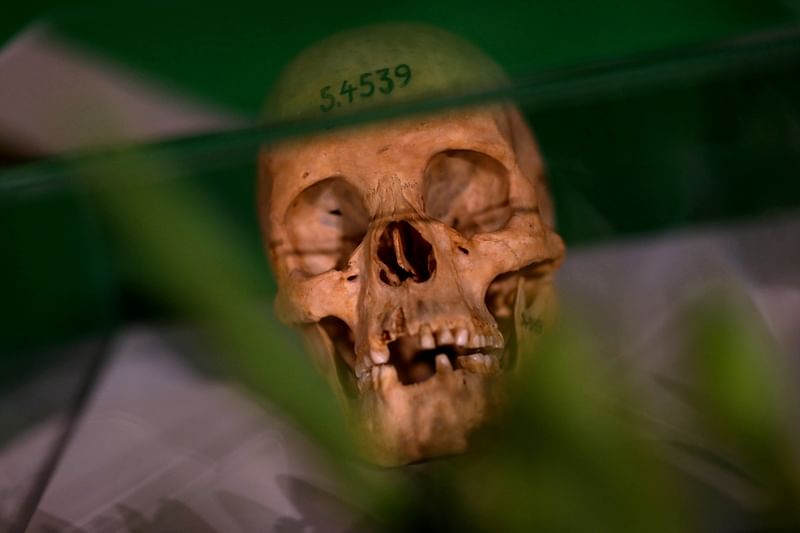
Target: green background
(630, 160)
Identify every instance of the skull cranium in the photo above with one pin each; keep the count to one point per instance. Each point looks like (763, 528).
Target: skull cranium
(415, 255)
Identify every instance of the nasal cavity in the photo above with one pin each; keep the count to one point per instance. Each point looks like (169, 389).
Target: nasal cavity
(403, 253)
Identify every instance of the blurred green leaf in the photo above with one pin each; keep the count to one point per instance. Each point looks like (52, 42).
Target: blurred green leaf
(744, 403)
(192, 259)
(566, 456)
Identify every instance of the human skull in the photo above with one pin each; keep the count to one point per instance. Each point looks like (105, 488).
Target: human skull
(416, 256)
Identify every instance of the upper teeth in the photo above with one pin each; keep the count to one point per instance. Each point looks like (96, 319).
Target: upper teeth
(462, 336)
(380, 355)
(428, 339)
(444, 337)
(459, 336)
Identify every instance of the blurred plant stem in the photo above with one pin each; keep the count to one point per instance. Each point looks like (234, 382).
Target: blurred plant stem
(191, 259)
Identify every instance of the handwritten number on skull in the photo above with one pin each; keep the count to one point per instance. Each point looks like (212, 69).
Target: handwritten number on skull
(328, 98)
(403, 71)
(348, 90)
(366, 86)
(384, 77)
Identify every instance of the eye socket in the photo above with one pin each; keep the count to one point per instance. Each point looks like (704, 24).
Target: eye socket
(468, 191)
(326, 223)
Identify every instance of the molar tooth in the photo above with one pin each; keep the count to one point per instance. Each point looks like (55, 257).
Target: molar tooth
(497, 340)
(363, 366)
(388, 376)
(444, 336)
(376, 377)
(379, 356)
(426, 337)
(443, 363)
(471, 363)
(476, 341)
(487, 362)
(363, 381)
(478, 363)
(462, 337)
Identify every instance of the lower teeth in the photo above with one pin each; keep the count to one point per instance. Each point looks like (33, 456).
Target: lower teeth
(478, 363)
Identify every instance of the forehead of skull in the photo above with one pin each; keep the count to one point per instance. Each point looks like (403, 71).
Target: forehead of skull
(404, 61)
(434, 62)
(392, 153)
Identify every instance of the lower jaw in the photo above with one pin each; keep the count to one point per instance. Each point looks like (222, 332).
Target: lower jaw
(398, 424)
(405, 424)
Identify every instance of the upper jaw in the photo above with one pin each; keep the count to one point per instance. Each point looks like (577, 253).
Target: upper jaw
(426, 348)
